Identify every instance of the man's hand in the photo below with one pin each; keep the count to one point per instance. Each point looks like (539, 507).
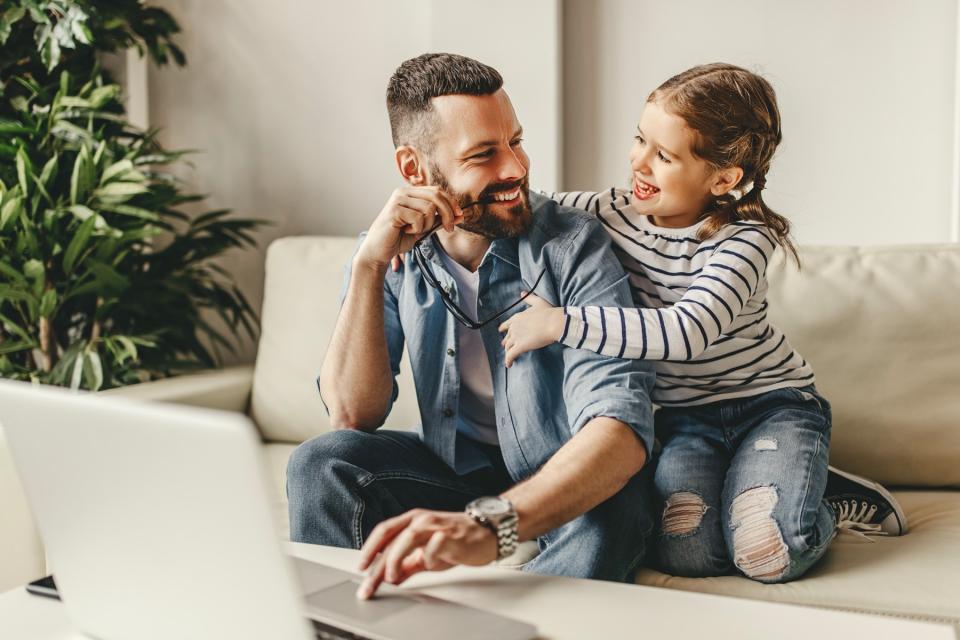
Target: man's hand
(421, 540)
(408, 214)
(540, 325)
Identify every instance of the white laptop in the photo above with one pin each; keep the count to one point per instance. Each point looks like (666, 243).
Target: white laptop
(156, 521)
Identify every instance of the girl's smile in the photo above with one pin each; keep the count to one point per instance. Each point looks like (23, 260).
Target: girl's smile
(643, 190)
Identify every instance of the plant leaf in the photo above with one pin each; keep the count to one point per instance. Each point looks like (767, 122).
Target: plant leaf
(115, 170)
(14, 347)
(48, 303)
(10, 17)
(79, 242)
(10, 211)
(119, 191)
(35, 272)
(78, 183)
(77, 376)
(93, 369)
(127, 210)
(103, 95)
(10, 293)
(50, 171)
(13, 327)
(24, 169)
(12, 273)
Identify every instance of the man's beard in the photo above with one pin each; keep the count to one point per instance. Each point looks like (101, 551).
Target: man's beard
(480, 219)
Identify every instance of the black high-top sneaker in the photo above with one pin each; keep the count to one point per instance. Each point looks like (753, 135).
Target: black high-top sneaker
(863, 505)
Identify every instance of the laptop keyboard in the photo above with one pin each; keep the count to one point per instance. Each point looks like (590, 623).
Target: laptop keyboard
(326, 632)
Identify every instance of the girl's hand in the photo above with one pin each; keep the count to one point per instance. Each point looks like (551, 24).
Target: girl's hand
(540, 325)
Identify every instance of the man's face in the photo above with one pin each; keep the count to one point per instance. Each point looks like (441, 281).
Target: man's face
(478, 155)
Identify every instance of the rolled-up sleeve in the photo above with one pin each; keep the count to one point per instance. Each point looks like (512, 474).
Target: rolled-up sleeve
(596, 385)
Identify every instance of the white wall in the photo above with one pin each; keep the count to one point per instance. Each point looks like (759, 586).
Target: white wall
(865, 87)
(286, 100)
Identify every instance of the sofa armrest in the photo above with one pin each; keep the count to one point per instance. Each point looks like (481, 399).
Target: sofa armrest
(21, 551)
(227, 389)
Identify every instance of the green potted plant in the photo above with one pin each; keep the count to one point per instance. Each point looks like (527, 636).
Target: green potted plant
(104, 280)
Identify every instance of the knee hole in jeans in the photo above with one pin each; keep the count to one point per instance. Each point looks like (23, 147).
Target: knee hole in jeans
(683, 513)
(759, 549)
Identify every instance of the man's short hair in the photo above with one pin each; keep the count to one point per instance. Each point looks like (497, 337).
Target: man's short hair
(431, 75)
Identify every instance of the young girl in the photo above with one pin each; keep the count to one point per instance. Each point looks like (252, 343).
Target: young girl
(743, 470)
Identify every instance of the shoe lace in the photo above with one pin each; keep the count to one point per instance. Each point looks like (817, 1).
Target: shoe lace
(854, 518)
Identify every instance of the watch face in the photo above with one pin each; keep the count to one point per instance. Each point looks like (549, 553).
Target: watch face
(491, 506)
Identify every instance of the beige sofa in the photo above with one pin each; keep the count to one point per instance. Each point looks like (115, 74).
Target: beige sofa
(879, 325)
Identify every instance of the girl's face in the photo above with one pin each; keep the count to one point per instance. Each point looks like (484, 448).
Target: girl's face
(669, 183)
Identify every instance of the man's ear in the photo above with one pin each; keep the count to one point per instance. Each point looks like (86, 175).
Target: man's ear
(725, 179)
(411, 165)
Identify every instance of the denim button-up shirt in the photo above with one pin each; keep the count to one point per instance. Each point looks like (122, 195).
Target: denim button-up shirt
(547, 395)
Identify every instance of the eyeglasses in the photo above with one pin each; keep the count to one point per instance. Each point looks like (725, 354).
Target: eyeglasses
(458, 313)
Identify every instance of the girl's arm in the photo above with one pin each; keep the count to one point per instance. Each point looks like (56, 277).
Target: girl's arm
(585, 200)
(683, 331)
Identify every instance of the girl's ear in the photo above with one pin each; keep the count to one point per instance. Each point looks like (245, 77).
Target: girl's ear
(411, 167)
(725, 179)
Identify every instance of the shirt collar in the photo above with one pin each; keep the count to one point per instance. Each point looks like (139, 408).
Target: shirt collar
(505, 249)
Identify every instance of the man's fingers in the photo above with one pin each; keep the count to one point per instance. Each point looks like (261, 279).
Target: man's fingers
(426, 212)
(505, 325)
(431, 202)
(455, 209)
(373, 580)
(411, 565)
(431, 552)
(411, 220)
(381, 536)
(401, 547)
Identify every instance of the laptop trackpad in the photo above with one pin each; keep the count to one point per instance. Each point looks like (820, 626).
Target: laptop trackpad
(342, 600)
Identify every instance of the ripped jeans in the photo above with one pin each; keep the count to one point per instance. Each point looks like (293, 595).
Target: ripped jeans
(741, 484)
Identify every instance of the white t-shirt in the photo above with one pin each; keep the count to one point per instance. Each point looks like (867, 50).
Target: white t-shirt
(477, 417)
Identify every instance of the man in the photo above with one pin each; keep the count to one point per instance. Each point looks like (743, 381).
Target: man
(548, 450)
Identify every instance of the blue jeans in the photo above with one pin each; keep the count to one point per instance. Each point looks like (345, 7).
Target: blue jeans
(341, 484)
(741, 483)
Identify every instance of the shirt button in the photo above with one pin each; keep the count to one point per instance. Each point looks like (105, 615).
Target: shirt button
(451, 352)
(447, 413)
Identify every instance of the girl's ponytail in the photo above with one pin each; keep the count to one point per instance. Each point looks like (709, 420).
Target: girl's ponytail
(750, 206)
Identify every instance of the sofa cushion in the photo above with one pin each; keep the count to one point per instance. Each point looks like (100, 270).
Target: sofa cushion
(304, 278)
(916, 575)
(881, 327)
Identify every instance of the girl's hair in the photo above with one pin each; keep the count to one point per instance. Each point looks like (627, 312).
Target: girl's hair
(736, 123)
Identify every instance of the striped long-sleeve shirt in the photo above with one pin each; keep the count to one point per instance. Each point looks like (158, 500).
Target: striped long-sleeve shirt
(701, 307)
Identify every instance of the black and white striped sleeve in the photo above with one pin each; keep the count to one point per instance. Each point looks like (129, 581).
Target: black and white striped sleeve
(684, 330)
(584, 200)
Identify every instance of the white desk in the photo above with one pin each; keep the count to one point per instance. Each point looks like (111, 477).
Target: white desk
(562, 608)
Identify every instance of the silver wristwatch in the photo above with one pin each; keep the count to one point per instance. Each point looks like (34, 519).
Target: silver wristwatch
(498, 515)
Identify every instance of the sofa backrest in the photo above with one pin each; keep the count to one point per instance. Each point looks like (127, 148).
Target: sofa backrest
(881, 327)
(301, 301)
